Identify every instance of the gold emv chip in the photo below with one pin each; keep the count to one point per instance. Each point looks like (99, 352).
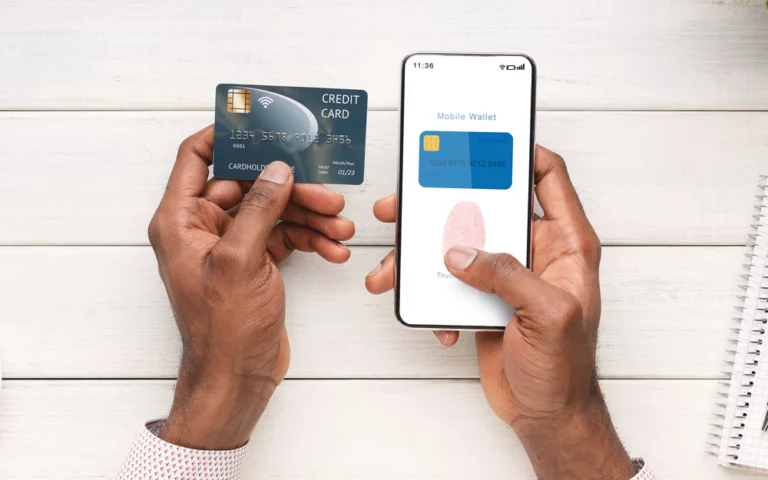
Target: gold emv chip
(431, 143)
(238, 100)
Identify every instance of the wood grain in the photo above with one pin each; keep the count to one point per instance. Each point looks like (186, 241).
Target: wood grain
(644, 178)
(101, 312)
(337, 429)
(612, 75)
(596, 54)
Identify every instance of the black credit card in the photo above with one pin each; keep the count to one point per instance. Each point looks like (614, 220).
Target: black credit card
(319, 132)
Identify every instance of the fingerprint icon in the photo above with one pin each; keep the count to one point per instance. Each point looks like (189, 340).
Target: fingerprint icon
(464, 226)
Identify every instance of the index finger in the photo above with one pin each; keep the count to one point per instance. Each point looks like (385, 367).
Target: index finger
(554, 189)
(318, 198)
(385, 209)
(190, 172)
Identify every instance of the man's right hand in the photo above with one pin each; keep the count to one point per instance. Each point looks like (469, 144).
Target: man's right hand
(539, 375)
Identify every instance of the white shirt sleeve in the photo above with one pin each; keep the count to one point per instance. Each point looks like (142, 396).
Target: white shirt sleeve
(151, 458)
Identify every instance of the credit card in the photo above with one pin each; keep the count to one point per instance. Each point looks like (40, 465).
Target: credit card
(318, 132)
(477, 160)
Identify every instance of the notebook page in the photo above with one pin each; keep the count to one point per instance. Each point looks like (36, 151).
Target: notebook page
(743, 442)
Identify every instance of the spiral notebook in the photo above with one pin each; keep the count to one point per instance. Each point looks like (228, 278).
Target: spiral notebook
(742, 426)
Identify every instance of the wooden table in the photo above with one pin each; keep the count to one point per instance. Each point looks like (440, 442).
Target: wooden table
(658, 106)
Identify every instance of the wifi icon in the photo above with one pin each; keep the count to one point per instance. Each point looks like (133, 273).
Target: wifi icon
(265, 101)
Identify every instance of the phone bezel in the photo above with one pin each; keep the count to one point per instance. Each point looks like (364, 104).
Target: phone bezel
(398, 227)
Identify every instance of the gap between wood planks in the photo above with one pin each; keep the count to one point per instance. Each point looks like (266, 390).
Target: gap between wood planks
(364, 245)
(335, 379)
(208, 108)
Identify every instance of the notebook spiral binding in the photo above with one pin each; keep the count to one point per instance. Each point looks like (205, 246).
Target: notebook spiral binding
(747, 337)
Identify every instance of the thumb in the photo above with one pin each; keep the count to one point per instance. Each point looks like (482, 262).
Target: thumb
(260, 210)
(501, 274)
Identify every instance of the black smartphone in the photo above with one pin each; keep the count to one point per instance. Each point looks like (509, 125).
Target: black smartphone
(466, 179)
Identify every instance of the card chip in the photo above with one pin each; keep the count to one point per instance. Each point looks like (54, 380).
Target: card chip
(238, 100)
(431, 143)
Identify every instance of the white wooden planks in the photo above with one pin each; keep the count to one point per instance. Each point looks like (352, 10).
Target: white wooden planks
(627, 54)
(94, 178)
(101, 312)
(644, 178)
(338, 429)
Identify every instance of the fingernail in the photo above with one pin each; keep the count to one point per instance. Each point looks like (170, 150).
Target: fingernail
(442, 336)
(459, 258)
(276, 172)
(375, 270)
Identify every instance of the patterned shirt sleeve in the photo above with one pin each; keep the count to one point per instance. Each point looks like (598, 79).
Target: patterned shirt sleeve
(153, 459)
(643, 472)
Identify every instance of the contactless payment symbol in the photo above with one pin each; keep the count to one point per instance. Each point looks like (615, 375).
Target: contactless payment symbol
(431, 143)
(265, 101)
(239, 100)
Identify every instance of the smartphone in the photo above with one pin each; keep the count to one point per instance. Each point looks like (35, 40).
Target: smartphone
(466, 178)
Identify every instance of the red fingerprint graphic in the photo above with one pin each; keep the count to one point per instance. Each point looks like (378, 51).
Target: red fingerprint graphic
(465, 226)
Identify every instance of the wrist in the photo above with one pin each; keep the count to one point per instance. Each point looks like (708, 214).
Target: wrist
(215, 412)
(580, 444)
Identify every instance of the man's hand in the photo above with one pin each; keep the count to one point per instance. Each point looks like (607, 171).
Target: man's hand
(217, 249)
(539, 375)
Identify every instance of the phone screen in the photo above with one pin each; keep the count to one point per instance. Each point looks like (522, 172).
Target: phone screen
(466, 153)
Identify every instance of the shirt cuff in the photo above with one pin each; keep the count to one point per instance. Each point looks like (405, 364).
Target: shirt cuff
(643, 471)
(153, 459)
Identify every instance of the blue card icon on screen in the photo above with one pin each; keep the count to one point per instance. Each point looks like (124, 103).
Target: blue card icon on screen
(475, 160)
